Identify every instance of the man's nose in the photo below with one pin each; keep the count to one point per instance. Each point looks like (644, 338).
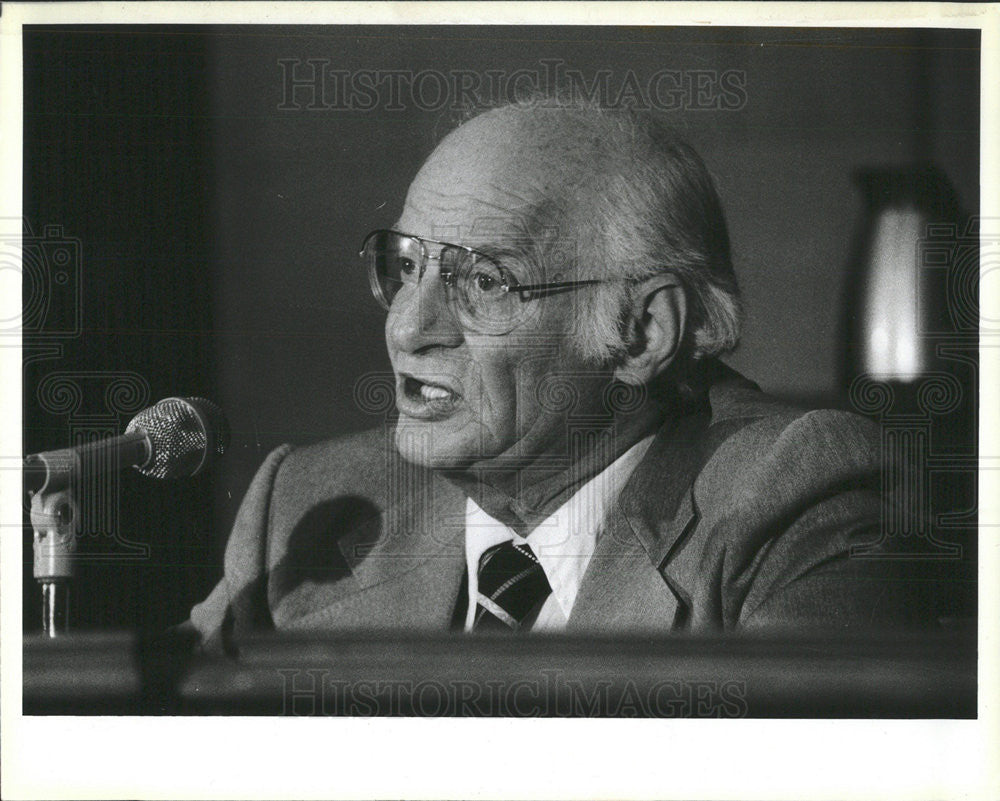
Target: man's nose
(420, 318)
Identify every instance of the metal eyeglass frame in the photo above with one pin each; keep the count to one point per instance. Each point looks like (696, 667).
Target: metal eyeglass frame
(525, 292)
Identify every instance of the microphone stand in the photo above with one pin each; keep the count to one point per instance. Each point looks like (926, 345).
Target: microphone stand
(53, 518)
(53, 480)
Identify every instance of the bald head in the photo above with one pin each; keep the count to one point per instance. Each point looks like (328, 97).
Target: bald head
(501, 173)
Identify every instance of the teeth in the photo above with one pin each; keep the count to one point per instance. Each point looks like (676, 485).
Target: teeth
(430, 393)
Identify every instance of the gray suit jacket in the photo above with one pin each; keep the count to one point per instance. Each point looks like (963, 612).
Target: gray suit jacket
(743, 513)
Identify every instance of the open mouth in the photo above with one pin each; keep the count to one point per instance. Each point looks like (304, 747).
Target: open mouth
(425, 390)
(420, 398)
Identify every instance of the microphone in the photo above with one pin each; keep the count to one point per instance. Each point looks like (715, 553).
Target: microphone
(174, 438)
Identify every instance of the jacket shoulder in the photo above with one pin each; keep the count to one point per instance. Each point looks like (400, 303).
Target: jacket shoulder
(781, 501)
(355, 463)
(754, 439)
(800, 447)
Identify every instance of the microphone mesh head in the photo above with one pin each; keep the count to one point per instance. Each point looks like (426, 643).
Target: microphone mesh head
(186, 435)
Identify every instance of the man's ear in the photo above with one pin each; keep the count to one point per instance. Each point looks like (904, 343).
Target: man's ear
(655, 329)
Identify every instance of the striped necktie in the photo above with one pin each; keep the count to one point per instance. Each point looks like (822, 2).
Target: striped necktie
(512, 584)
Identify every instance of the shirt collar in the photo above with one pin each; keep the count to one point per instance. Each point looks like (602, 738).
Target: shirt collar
(563, 542)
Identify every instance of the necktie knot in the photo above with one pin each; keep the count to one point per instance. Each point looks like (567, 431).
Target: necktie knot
(512, 584)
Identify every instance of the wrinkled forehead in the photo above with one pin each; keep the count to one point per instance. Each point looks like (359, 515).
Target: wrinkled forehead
(484, 185)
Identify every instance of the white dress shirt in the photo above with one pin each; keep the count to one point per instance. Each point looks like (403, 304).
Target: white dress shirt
(564, 542)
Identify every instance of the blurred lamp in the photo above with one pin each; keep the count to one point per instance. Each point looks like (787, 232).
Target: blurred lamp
(899, 303)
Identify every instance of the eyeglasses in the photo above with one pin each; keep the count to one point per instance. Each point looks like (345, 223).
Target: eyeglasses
(484, 295)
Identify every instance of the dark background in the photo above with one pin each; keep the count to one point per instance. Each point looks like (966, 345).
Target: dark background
(214, 233)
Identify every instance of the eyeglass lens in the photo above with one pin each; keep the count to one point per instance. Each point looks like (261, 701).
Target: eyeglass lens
(476, 285)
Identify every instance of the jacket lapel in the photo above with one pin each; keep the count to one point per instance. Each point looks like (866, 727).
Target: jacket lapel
(625, 586)
(659, 507)
(622, 590)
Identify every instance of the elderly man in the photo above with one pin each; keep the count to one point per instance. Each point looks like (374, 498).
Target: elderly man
(568, 452)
